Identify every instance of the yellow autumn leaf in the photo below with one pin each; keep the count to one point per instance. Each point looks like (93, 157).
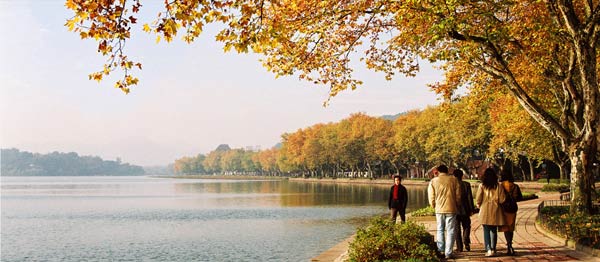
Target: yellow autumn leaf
(70, 24)
(71, 4)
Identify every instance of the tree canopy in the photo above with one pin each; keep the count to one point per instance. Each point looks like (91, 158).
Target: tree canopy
(543, 53)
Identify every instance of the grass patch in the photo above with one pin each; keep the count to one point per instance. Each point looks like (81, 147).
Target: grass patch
(423, 212)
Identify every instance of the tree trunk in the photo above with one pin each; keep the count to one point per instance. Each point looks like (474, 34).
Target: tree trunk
(369, 170)
(582, 179)
(561, 168)
(531, 170)
(396, 167)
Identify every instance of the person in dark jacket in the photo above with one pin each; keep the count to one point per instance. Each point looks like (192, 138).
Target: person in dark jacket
(398, 200)
(507, 181)
(466, 208)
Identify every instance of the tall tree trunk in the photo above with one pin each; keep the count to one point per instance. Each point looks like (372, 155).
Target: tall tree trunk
(369, 170)
(582, 179)
(562, 167)
(395, 165)
(531, 170)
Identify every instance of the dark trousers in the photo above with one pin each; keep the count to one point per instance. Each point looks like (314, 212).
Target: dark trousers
(394, 213)
(464, 237)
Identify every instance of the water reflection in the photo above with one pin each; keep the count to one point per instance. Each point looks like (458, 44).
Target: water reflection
(297, 194)
(149, 219)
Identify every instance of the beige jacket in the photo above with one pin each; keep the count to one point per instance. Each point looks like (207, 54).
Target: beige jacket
(488, 202)
(444, 194)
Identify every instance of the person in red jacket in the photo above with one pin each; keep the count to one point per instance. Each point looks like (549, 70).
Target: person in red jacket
(398, 200)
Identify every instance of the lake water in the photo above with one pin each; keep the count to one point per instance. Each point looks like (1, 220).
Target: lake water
(162, 219)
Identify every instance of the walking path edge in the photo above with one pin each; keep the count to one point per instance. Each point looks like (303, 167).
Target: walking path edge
(532, 242)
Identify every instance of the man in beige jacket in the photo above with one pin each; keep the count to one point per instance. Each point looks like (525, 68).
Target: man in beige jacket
(444, 196)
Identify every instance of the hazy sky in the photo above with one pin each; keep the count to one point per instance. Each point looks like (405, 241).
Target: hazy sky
(191, 97)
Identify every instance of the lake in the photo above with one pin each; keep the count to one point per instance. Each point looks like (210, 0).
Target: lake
(164, 219)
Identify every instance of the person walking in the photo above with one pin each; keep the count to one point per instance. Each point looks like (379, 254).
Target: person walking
(507, 181)
(466, 208)
(489, 197)
(444, 196)
(398, 200)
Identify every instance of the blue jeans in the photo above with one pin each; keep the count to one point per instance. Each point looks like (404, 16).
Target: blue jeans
(446, 223)
(490, 237)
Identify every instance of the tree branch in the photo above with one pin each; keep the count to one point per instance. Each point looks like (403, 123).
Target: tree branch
(591, 28)
(568, 15)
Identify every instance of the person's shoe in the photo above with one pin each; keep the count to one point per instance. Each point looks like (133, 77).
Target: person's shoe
(451, 256)
(489, 253)
(467, 247)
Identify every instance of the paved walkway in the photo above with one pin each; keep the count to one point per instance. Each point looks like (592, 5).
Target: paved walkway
(529, 243)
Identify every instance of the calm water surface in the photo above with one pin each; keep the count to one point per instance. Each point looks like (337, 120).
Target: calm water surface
(161, 219)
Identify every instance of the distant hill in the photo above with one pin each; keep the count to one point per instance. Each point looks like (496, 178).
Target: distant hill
(393, 117)
(22, 163)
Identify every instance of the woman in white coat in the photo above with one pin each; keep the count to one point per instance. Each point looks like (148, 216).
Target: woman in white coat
(489, 197)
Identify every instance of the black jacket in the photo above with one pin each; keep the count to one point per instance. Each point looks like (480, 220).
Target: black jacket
(402, 198)
(467, 207)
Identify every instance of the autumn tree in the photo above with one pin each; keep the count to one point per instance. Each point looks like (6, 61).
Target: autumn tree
(380, 146)
(516, 134)
(332, 149)
(189, 165)
(469, 129)
(408, 149)
(212, 162)
(268, 161)
(291, 154)
(524, 46)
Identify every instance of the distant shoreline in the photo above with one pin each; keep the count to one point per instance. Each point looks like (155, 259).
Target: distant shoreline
(70, 175)
(410, 182)
(229, 177)
(378, 182)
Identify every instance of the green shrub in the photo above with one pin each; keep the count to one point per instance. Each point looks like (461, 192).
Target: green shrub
(383, 240)
(420, 179)
(554, 181)
(555, 188)
(585, 229)
(528, 196)
(423, 212)
(560, 181)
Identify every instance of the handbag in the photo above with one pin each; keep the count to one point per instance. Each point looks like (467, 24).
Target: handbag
(509, 205)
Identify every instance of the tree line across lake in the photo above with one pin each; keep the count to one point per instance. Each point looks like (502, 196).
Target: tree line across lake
(23, 163)
(468, 132)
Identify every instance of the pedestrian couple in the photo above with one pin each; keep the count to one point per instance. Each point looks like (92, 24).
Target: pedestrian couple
(453, 202)
(490, 197)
